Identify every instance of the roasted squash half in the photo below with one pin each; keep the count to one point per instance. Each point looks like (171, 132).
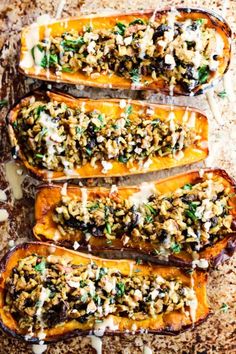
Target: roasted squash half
(176, 220)
(44, 316)
(182, 51)
(58, 136)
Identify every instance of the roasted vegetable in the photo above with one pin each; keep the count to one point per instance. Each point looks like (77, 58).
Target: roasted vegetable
(58, 136)
(50, 293)
(184, 218)
(181, 51)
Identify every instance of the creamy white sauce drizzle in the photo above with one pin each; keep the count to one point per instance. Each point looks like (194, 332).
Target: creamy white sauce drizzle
(146, 190)
(39, 348)
(96, 343)
(84, 194)
(14, 179)
(60, 8)
(215, 109)
(64, 190)
(108, 323)
(3, 215)
(200, 263)
(147, 350)
(3, 196)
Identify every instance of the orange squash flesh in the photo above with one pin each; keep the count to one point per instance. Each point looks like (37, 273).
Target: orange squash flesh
(108, 22)
(171, 323)
(46, 229)
(112, 110)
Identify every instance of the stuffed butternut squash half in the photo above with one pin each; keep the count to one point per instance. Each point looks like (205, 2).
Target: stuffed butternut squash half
(181, 51)
(50, 293)
(179, 220)
(58, 136)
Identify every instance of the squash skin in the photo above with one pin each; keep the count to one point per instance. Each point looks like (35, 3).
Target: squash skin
(45, 228)
(174, 323)
(117, 82)
(192, 154)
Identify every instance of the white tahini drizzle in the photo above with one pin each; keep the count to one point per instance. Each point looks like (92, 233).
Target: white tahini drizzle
(14, 179)
(96, 343)
(140, 197)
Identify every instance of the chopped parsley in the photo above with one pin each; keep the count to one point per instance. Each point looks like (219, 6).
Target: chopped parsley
(187, 186)
(135, 77)
(120, 28)
(224, 307)
(176, 248)
(222, 94)
(40, 267)
(203, 74)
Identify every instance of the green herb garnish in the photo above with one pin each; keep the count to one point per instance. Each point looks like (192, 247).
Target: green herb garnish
(200, 21)
(176, 248)
(120, 28)
(72, 45)
(135, 77)
(123, 159)
(39, 109)
(187, 186)
(148, 219)
(3, 103)
(224, 307)
(139, 21)
(139, 261)
(40, 267)
(222, 94)
(151, 209)
(120, 289)
(66, 69)
(108, 228)
(203, 74)
(39, 156)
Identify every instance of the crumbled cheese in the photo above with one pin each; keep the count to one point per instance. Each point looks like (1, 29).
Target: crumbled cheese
(169, 59)
(138, 150)
(100, 139)
(200, 263)
(76, 245)
(149, 111)
(3, 215)
(91, 47)
(106, 166)
(119, 40)
(114, 189)
(122, 103)
(128, 40)
(3, 196)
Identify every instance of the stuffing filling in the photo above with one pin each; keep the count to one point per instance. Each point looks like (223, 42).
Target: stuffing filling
(178, 51)
(42, 292)
(190, 218)
(56, 137)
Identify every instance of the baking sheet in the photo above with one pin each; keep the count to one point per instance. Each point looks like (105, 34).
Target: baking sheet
(217, 334)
